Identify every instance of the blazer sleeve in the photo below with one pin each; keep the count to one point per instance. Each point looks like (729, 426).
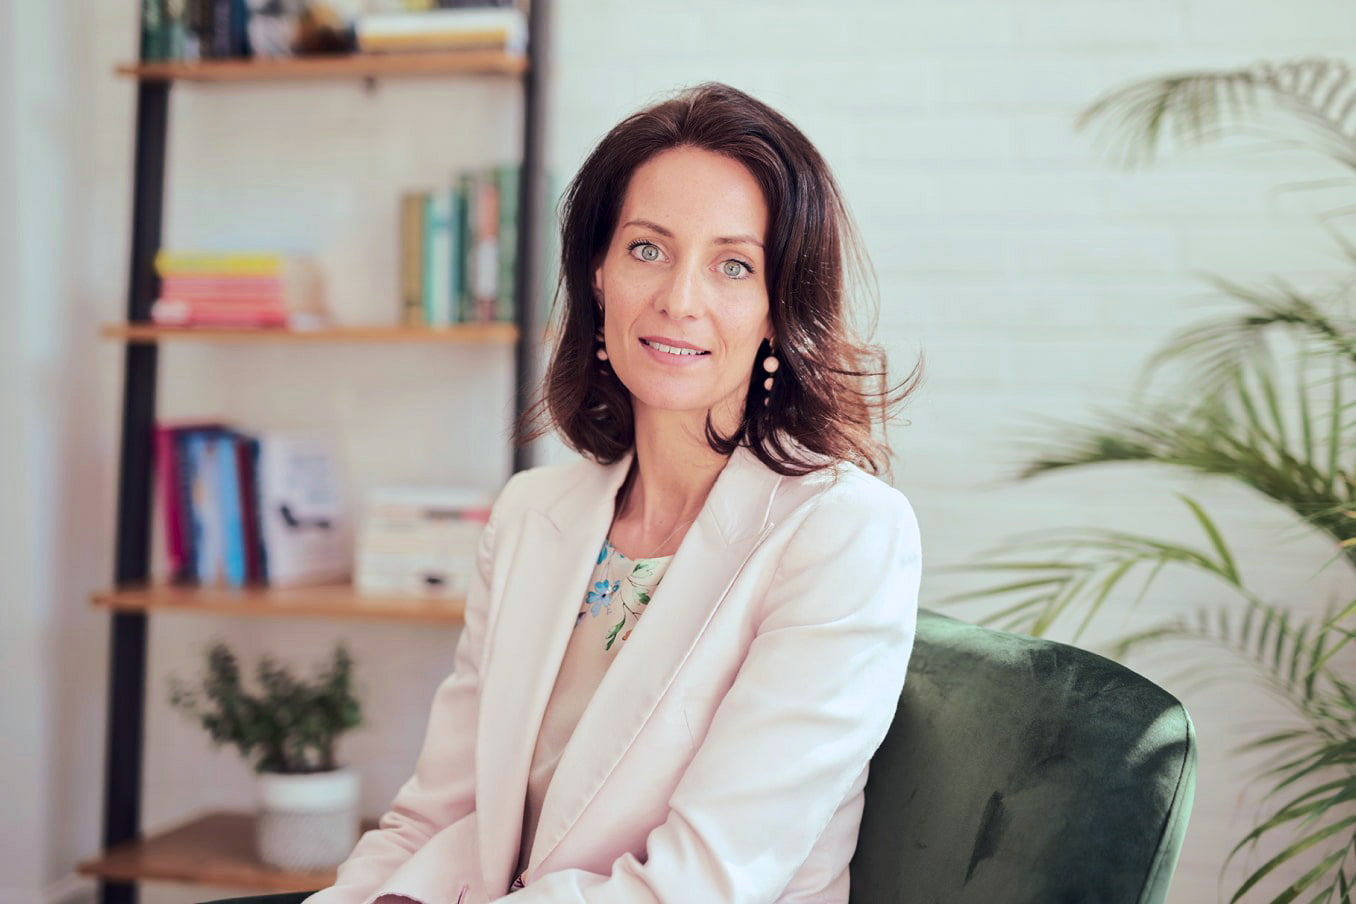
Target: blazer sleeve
(442, 789)
(808, 708)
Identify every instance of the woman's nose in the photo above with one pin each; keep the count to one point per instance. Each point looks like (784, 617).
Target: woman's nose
(682, 294)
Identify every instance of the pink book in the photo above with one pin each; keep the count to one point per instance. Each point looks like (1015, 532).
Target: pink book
(167, 471)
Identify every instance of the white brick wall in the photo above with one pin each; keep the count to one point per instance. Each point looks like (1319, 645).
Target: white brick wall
(1034, 274)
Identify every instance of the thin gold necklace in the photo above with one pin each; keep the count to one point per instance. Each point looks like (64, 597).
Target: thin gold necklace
(627, 498)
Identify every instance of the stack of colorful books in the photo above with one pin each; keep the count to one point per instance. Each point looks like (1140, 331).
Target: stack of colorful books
(420, 541)
(242, 291)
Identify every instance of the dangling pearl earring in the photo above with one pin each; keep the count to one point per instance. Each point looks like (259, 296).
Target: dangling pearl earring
(602, 352)
(770, 364)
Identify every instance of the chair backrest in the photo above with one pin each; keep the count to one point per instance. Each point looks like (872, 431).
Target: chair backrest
(1023, 770)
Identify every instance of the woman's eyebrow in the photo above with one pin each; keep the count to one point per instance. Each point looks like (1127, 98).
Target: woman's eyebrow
(668, 234)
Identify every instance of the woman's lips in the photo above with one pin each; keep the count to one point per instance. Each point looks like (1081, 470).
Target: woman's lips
(672, 360)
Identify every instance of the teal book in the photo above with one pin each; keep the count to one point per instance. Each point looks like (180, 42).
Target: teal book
(438, 258)
(465, 240)
(506, 180)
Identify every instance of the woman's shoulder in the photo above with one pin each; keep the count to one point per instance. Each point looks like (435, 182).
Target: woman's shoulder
(843, 490)
(541, 485)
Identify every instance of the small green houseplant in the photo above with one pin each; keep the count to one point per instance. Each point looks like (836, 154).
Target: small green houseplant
(1288, 441)
(307, 802)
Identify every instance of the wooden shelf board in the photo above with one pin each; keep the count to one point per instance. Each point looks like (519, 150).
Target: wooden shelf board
(319, 601)
(359, 65)
(468, 333)
(214, 848)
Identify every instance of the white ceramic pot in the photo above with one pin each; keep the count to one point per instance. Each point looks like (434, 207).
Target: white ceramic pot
(308, 821)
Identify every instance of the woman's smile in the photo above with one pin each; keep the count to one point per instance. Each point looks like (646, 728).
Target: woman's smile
(673, 356)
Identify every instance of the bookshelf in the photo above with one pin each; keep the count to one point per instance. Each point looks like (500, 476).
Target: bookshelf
(316, 601)
(356, 65)
(462, 334)
(216, 848)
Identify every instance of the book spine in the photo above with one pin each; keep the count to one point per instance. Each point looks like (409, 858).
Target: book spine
(411, 259)
(229, 509)
(486, 267)
(248, 514)
(152, 30)
(426, 258)
(190, 263)
(438, 265)
(257, 505)
(240, 36)
(506, 178)
(455, 258)
(465, 236)
(166, 472)
(193, 504)
(221, 29)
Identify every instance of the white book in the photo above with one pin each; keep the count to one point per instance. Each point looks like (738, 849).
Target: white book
(474, 26)
(305, 525)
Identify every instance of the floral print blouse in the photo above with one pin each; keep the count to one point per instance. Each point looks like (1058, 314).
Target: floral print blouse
(617, 595)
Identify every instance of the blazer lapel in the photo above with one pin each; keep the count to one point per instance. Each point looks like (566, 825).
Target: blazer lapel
(525, 648)
(731, 524)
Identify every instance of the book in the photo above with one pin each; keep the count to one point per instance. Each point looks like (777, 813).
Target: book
(484, 249)
(152, 31)
(238, 290)
(464, 235)
(204, 507)
(500, 28)
(247, 456)
(438, 262)
(230, 508)
(420, 541)
(412, 259)
(506, 183)
(174, 491)
(301, 508)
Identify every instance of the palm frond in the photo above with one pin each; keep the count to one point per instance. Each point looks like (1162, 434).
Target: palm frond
(1195, 106)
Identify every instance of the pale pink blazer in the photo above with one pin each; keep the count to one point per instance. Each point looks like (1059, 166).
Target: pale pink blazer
(723, 756)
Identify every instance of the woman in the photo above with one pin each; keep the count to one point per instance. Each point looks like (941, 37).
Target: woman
(699, 727)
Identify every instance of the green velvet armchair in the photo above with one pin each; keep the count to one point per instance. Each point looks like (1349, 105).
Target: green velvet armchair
(1017, 771)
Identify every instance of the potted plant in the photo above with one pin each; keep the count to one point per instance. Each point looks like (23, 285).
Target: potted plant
(1237, 417)
(307, 803)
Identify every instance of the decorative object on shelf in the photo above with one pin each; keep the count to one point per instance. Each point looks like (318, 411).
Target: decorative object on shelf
(272, 26)
(420, 541)
(322, 30)
(1240, 416)
(307, 804)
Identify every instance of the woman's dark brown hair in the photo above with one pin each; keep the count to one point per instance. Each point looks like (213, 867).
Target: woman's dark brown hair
(821, 410)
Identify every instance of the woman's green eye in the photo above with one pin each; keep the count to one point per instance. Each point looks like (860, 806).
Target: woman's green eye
(734, 269)
(649, 253)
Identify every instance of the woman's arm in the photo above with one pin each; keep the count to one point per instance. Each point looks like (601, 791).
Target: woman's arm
(442, 790)
(810, 705)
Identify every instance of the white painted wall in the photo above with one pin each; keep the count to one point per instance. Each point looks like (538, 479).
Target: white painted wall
(1033, 274)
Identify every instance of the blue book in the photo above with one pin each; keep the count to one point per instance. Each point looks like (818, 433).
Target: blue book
(227, 477)
(204, 526)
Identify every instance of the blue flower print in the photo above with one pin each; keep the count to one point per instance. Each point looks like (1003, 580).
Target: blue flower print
(602, 553)
(601, 595)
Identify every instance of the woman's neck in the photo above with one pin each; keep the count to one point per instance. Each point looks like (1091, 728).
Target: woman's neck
(672, 473)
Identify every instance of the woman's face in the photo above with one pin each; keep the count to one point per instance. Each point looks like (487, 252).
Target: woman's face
(685, 268)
